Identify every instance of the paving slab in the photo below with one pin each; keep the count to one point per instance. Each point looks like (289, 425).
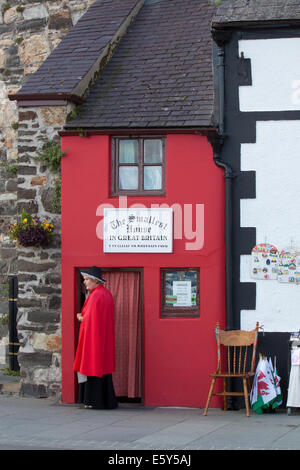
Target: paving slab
(40, 424)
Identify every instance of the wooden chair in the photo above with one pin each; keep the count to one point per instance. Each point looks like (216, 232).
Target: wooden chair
(236, 345)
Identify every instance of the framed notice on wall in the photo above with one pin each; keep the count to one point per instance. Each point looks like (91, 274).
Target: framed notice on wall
(138, 230)
(180, 292)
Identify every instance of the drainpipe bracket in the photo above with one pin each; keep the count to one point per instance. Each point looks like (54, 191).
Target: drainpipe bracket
(216, 141)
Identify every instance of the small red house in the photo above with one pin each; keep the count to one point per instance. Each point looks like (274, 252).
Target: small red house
(142, 196)
(140, 141)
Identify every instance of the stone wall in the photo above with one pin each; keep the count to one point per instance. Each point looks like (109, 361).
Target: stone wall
(29, 31)
(39, 268)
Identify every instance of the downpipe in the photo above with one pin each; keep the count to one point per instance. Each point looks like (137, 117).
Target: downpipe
(228, 175)
(217, 142)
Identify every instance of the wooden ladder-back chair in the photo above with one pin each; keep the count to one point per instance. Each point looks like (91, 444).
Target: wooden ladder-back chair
(236, 345)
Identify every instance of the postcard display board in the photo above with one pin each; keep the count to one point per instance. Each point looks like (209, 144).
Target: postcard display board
(267, 263)
(264, 261)
(289, 266)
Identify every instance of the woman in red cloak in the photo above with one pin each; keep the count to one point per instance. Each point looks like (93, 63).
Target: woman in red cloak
(95, 355)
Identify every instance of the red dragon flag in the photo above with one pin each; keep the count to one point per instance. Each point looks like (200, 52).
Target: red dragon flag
(263, 390)
(278, 400)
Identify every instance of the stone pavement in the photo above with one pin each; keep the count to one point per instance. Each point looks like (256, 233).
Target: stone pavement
(41, 424)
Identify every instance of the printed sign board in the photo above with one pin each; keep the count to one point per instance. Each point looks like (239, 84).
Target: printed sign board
(138, 230)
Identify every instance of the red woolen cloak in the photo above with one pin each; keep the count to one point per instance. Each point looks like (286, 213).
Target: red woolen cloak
(95, 355)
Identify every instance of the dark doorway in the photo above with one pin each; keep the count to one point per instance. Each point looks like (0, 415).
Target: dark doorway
(126, 288)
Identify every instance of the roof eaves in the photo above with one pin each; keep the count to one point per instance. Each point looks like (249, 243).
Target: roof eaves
(238, 24)
(45, 99)
(86, 132)
(256, 13)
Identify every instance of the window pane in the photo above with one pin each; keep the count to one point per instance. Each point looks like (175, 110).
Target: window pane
(128, 177)
(152, 151)
(128, 151)
(152, 177)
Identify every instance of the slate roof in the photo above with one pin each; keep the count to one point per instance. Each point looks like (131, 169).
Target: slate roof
(232, 12)
(71, 60)
(161, 75)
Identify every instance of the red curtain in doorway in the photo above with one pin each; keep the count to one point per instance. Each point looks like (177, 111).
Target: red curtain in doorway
(125, 288)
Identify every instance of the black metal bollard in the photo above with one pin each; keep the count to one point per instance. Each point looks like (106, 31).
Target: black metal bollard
(13, 344)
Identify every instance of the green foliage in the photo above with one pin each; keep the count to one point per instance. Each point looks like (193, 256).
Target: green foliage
(5, 7)
(7, 371)
(56, 201)
(50, 154)
(72, 114)
(4, 319)
(75, 113)
(5, 290)
(4, 293)
(9, 168)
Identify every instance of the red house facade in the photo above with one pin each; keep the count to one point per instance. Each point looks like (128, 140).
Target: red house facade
(140, 140)
(176, 350)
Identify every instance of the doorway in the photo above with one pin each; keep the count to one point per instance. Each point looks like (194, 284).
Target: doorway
(126, 288)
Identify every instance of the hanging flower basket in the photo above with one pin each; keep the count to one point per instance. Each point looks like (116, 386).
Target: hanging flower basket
(30, 231)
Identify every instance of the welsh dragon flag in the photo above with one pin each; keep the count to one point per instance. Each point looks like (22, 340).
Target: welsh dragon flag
(278, 400)
(264, 392)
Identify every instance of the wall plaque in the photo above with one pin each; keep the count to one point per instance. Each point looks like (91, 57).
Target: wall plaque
(138, 230)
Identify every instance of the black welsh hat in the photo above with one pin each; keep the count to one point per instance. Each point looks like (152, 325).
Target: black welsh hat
(94, 273)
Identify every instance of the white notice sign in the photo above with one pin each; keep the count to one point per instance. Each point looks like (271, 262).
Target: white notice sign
(182, 290)
(138, 230)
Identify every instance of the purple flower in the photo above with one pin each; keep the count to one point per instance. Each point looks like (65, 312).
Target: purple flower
(32, 236)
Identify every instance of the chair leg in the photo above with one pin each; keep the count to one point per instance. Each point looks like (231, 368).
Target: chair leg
(209, 395)
(225, 397)
(246, 397)
(249, 383)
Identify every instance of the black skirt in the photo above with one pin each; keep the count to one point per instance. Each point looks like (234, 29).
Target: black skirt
(98, 392)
